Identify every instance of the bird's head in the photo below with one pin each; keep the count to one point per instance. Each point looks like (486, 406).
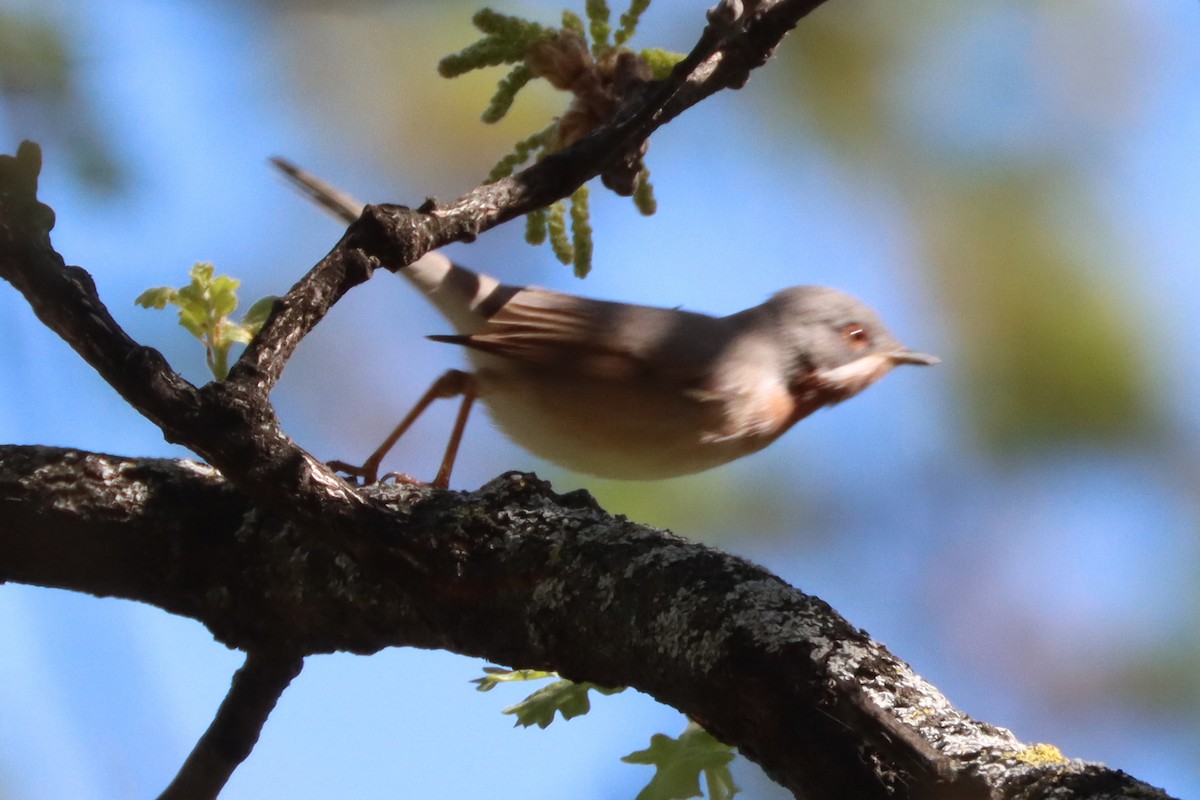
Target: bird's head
(838, 345)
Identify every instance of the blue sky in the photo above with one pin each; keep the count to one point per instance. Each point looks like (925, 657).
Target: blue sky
(1017, 587)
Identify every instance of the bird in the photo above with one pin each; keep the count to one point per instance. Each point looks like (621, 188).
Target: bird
(633, 392)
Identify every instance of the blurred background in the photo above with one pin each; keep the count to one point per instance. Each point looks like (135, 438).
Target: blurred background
(1014, 185)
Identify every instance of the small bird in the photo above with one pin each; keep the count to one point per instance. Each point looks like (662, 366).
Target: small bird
(630, 391)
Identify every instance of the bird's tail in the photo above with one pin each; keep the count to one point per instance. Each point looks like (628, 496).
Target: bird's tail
(332, 199)
(462, 296)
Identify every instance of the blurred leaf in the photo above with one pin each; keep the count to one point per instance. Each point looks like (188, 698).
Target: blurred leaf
(495, 676)
(680, 762)
(33, 56)
(1053, 351)
(39, 77)
(223, 293)
(564, 697)
(840, 68)
(1165, 680)
(257, 314)
(156, 298)
(389, 100)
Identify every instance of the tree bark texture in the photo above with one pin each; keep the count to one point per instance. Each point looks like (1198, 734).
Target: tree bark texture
(518, 575)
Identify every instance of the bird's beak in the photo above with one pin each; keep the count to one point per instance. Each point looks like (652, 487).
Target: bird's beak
(913, 357)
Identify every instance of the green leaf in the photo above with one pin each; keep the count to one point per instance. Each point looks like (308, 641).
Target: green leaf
(581, 232)
(156, 298)
(660, 61)
(193, 319)
(192, 295)
(680, 762)
(572, 22)
(565, 697)
(205, 304)
(257, 314)
(598, 24)
(202, 272)
(496, 675)
(629, 21)
(231, 332)
(222, 294)
(556, 229)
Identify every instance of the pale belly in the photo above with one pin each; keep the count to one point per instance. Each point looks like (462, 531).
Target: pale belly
(613, 430)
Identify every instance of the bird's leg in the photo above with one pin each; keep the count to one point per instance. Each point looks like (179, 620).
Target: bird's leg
(442, 480)
(451, 384)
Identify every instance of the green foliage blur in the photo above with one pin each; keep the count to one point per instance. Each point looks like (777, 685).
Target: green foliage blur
(1051, 342)
(40, 86)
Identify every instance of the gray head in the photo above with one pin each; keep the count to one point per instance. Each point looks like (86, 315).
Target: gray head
(839, 346)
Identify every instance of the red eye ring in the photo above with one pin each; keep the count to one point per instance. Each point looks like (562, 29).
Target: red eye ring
(856, 336)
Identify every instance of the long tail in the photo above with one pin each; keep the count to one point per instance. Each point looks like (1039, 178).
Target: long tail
(332, 199)
(465, 298)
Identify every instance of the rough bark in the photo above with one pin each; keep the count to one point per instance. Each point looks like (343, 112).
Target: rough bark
(518, 575)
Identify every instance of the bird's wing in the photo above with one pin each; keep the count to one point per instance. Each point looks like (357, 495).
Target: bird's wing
(597, 339)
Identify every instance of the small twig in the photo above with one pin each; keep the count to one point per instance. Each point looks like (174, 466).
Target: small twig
(235, 729)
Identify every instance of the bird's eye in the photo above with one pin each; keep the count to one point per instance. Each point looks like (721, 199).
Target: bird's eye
(856, 336)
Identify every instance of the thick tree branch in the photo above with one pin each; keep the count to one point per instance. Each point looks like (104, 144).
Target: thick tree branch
(520, 576)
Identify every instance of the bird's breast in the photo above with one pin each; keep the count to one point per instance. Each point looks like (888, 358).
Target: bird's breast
(627, 429)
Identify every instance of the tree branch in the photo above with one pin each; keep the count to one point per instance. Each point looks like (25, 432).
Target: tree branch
(235, 729)
(520, 576)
